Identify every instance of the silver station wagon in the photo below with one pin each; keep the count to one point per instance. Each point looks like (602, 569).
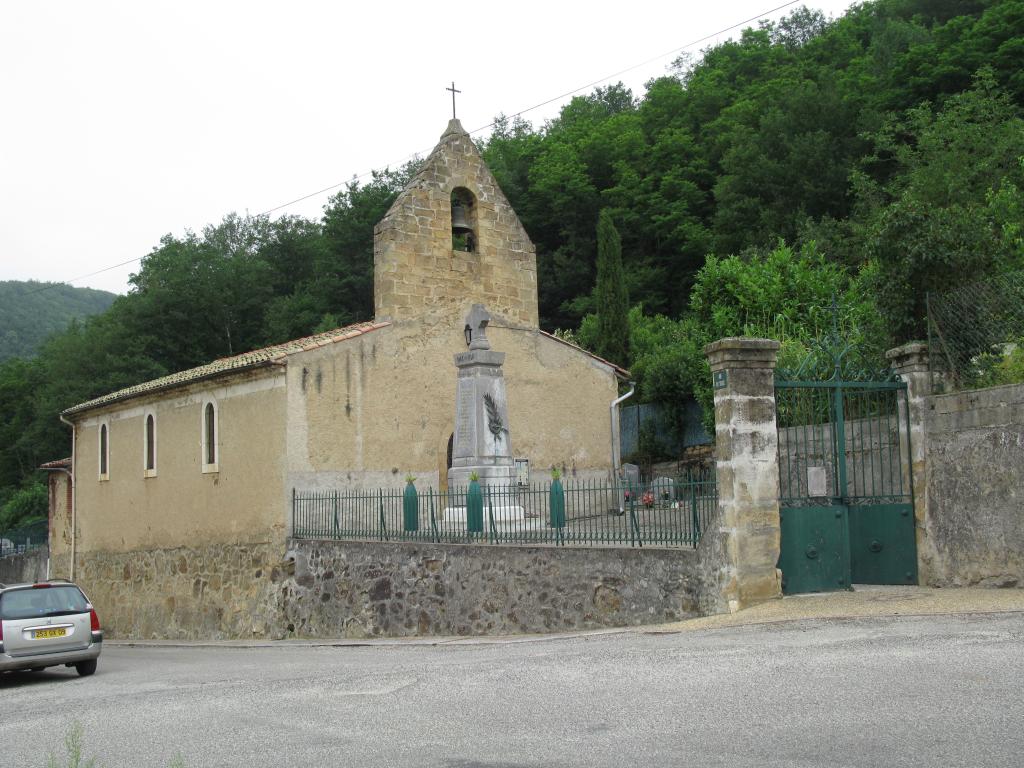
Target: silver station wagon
(46, 625)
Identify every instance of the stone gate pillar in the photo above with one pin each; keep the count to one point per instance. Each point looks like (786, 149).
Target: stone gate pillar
(747, 467)
(910, 363)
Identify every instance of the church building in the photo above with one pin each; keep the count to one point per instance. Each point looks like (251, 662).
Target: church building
(181, 501)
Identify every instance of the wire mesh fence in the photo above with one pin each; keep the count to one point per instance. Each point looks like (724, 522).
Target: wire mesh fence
(670, 512)
(976, 333)
(18, 540)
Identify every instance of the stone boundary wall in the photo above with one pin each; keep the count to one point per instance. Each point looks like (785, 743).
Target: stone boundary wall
(974, 526)
(205, 593)
(367, 589)
(26, 567)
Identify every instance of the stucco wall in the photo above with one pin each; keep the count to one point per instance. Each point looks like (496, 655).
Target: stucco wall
(975, 493)
(363, 589)
(26, 567)
(366, 411)
(244, 501)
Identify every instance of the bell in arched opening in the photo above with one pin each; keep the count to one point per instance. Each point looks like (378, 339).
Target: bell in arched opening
(463, 220)
(460, 219)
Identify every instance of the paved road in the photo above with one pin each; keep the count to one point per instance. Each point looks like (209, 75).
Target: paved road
(915, 691)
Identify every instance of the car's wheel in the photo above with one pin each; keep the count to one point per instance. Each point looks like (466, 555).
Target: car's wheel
(86, 668)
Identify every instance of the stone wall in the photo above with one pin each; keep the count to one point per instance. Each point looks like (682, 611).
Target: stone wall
(975, 495)
(364, 589)
(417, 273)
(210, 593)
(26, 567)
(355, 589)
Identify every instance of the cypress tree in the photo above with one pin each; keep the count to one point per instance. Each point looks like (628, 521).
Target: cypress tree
(610, 293)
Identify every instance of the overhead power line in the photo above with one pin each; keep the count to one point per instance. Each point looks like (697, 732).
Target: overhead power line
(546, 102)
(520, 113)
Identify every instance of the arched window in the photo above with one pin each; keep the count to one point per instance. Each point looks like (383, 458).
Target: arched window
(150, 446)
(104, 450)
(210, 436)
(464, 229)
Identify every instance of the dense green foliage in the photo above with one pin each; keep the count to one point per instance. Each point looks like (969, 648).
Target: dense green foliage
(31, 311)
(610, 297)
(23, 506)
(863, 160)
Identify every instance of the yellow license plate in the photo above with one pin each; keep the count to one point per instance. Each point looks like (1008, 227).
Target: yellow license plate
(39, 634)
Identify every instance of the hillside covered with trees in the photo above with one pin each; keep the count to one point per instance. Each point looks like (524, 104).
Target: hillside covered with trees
(31, 311)
(867, 159)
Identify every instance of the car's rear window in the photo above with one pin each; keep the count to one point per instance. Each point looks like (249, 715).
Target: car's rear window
(31, 603)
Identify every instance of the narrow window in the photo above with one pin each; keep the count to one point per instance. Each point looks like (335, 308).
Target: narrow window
(104, 453)
(150, 445)
(209, 437)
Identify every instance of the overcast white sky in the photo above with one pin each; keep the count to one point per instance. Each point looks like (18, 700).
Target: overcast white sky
(123, 121)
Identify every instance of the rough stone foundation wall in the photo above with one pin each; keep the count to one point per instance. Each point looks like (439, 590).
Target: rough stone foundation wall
(975, 495)
(209, 593)
(365, 589)
(26, 567)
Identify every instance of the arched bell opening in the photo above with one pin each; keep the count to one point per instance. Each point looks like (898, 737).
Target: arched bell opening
(464, 231)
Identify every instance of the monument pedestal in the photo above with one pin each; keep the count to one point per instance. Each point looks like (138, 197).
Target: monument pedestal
(482, 445)
(506, 518)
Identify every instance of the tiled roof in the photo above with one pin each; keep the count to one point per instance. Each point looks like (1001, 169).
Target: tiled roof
(56, 464)
(619, 371)
(248, 360)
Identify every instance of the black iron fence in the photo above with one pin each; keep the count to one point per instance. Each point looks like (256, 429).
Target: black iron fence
(669, 512)
(18, 540)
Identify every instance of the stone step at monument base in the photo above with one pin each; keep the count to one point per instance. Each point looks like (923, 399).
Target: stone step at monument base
(505, 518)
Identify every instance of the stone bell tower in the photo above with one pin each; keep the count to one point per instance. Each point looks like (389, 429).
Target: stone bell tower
(452, 240)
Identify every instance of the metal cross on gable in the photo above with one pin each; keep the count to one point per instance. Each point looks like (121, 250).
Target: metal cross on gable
(454, 91)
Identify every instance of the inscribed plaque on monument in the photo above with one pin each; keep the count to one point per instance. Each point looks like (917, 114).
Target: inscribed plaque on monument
(465, 424)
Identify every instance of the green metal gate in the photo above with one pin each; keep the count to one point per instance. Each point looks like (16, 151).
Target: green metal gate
(847, 507)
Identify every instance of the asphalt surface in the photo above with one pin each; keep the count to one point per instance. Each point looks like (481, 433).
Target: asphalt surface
(942, 690)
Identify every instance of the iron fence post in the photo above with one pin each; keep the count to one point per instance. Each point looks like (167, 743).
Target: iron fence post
(492, 533)
(433, 520)
(696, 520)
(585, 520)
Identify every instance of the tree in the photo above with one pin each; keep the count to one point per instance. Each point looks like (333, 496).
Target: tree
(610, 295)
(343, 282)
(936, 200)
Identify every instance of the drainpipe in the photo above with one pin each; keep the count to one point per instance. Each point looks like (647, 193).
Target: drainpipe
(614, 412)
(74, 497)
